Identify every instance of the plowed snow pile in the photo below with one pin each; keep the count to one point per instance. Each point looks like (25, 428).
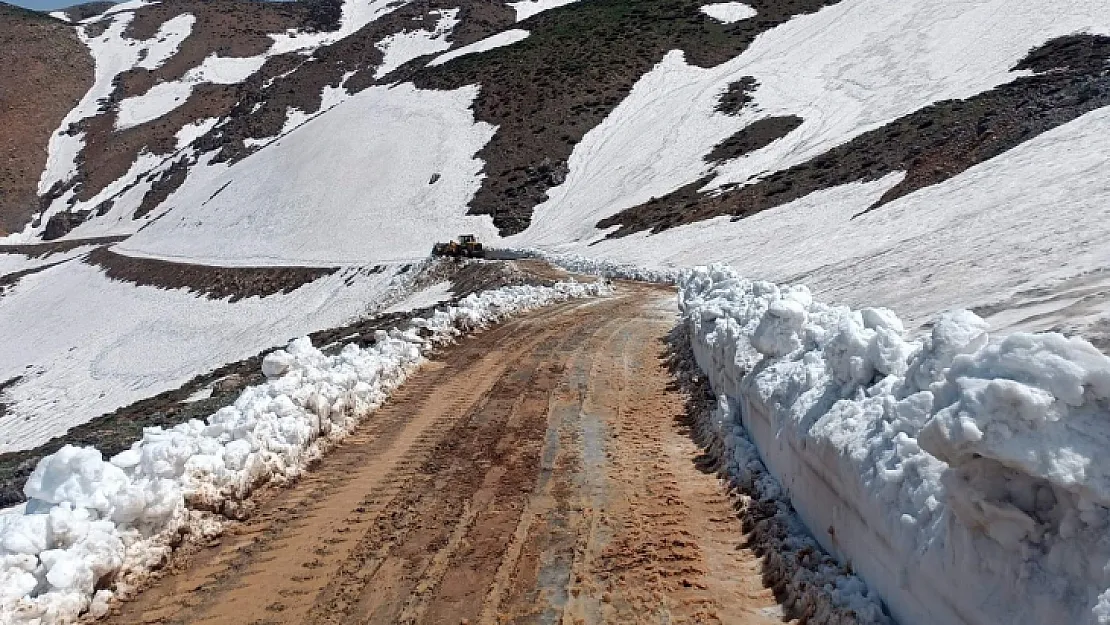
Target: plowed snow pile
(92, 523)
(963, 477)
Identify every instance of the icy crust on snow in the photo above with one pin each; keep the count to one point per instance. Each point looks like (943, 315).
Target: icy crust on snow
(90, 522)
(964, 479)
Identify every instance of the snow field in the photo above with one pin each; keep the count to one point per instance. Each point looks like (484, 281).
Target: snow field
(88, 518)
(527, 8)
(1030, 218)
(407, 45)
(503, 38)
(962, 477)
(377, 179)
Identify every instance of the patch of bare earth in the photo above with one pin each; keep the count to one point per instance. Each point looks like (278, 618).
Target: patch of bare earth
(538, 472)
(44, 71)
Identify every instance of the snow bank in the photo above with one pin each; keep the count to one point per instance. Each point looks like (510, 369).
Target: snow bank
(961, 477)
(92, 523)
(604, 268)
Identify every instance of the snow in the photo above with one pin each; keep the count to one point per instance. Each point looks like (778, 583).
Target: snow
(436, 294)
(504, 38)
(402, 47)
(128, 8)
(844, 70)
(167, 96)
(59, 15)
(728, 12)
(192, 132)
(350, 187)
(111, 54)
(963, 477)
(528, 8)
(168, 40)
(86, 345)
(89, 519)
(967, 238)
(14, 263)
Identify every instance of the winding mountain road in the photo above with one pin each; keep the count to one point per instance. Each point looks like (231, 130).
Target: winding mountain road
(539, 472)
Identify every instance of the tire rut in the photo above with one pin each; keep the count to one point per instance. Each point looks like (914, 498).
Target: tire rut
(534, 473)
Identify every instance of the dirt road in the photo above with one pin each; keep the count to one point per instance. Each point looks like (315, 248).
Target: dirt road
(539, 472)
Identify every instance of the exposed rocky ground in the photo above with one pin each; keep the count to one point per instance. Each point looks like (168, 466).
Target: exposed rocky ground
(44, 71)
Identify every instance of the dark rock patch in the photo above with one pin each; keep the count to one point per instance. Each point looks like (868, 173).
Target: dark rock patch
(167, 182)
(737, 96)
(930, 145)
(79, 12)
(581, 60)
(752, 137)
(233, 283)
(61, 223)
(43, 250)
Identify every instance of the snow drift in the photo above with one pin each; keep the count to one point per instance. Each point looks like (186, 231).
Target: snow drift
(92, 527)
(960, 476)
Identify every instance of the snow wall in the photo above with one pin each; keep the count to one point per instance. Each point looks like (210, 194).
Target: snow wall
(966, 479)
(92, 528)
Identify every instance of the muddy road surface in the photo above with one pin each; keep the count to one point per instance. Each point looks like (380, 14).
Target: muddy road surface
(539, 472)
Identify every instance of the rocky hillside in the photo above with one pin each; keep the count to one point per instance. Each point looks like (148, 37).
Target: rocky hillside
(280, 167)
(44, 70)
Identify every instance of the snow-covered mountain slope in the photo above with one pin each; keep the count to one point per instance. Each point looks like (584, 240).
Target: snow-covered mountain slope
(921, 155)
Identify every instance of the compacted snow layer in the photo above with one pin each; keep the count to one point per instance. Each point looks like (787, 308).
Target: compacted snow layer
(728, 12)
(503, 38)
(378, 178)
(963, 477)
(89, 519)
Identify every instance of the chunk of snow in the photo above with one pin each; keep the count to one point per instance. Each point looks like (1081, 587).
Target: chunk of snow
(504, 38)
(728, 12)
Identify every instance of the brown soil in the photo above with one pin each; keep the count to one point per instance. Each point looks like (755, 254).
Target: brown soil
(44, 71)
(79, 12)
(536, 473)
